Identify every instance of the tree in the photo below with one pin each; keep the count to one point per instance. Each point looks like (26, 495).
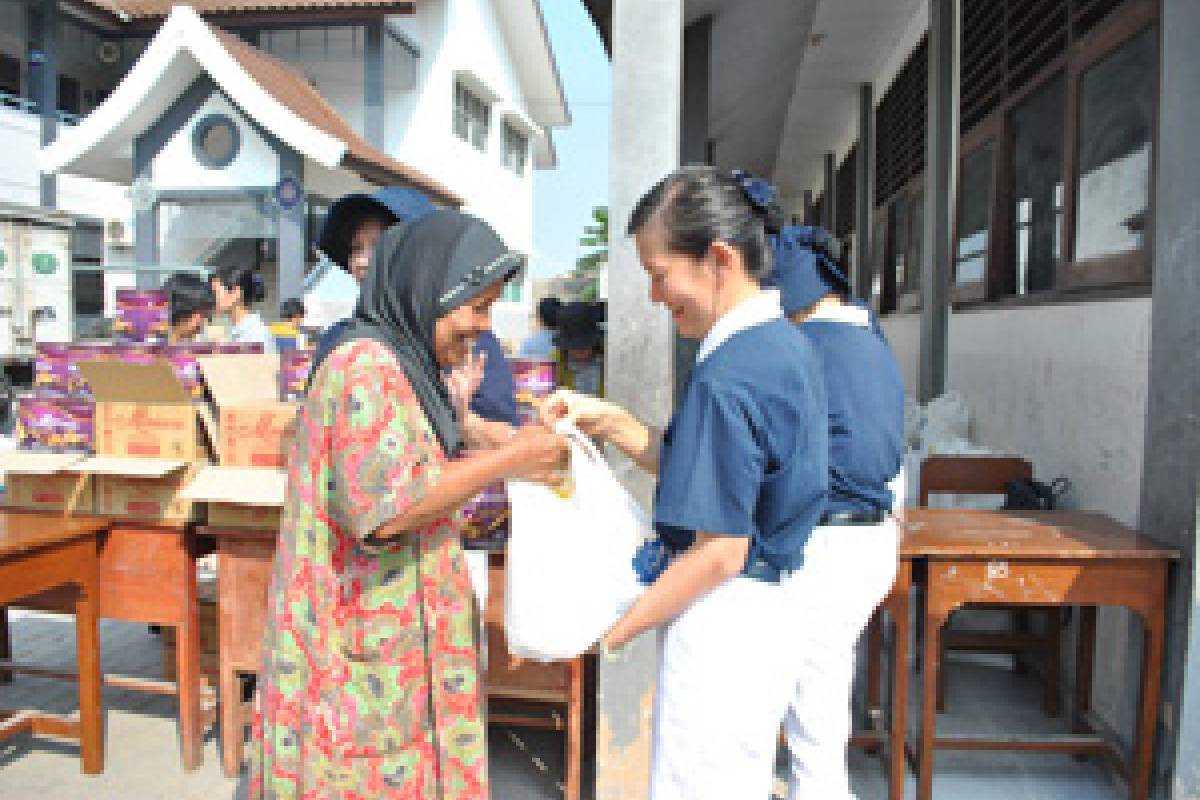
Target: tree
(589, 264)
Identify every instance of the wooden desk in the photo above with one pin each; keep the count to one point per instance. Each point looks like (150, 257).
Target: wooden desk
(1051, 558)
(244, 563)
(145, 573)
(39, 553)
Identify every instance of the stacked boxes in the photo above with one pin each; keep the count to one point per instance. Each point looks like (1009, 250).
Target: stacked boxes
(55, 423)
(143, 315)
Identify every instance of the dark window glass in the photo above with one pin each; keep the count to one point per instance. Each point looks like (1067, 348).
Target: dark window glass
(10, 74)
(1116, 117)
(974, 217)
(1037, 126)
(68, 94)
(916, 241)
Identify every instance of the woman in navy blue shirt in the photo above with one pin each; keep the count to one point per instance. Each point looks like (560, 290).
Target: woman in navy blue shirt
(742, 481)
(850, 559)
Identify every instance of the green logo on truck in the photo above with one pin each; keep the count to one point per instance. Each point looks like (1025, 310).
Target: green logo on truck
(45, 263)
(3, 259)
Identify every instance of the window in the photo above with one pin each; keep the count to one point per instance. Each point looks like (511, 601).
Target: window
(1116, 123)
(516, 149)
(974, 217)
(847, 187)
(472, 117)
(68, 94)
(1037, 187)
(216, 141)
(10, 74)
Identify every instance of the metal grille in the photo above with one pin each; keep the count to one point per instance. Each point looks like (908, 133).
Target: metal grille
(847, 185)
(900, 122)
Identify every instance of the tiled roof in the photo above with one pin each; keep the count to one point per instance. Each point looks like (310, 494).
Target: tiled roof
(293, 91)
(146, 9)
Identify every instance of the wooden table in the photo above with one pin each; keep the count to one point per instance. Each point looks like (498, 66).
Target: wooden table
(146, 573)
(40, 553)
(244, 563)
(1053, 558)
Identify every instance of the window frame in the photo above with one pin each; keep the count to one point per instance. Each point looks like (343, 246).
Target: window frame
(473, 125)
(509, 132)
(1122, 271)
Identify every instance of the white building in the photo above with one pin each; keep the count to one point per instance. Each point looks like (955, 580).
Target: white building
(299, 105)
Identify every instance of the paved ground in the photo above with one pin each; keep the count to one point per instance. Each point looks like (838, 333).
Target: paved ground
(142, 755)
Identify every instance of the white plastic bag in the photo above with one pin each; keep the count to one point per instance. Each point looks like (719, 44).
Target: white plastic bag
(569, 570)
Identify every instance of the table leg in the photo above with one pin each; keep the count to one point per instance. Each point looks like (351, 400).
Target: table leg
(934, 619)
(1152, 663)
(1050, 684)
(87, 644)
(1084, 664)
(899, 700)
(187, 672)
(5, 645)
(574, 737)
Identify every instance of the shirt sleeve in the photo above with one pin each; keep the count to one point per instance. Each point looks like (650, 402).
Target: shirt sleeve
(384, 454)
(715, 465)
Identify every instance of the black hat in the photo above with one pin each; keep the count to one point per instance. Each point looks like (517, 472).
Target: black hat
(577, 327)
(394, 203)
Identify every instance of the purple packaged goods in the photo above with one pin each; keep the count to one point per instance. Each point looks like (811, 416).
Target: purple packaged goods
(240, 348)
(485, 518)
(79, 352)
(57, 424)
(533, 380)
(143, 315)
(139, 352)
(50, 368)
(185, 360)
(294, 366)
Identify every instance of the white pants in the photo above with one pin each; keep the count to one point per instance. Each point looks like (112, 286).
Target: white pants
(847, 572)
(726, 675)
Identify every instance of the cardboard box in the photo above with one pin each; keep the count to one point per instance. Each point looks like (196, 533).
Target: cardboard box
(141, 488)
(143, 315)
(46, 482)
(254, 429)
(143, 411)
(55, 423)
(240, 497)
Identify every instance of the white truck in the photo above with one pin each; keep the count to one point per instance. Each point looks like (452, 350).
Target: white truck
(45, 258)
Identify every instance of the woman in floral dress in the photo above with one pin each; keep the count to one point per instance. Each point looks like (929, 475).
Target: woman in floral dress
(370, 685)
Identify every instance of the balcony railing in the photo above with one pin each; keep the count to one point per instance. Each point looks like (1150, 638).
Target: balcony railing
(18, 103)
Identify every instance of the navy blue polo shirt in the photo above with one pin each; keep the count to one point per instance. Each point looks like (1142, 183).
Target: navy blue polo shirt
(747, 451)
(866, 413)
(496, 397)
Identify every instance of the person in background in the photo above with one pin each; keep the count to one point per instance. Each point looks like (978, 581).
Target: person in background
(287, 332)
(352, 227)
(850, 559)
(580, 352)
(370, 684)
(192, 302)
(238, 289)
(540, 343)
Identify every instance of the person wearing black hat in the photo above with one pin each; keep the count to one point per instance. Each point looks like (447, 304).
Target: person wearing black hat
(540, 343)
(580, 349)
(352, 227)
(850, 559)
(370, 682)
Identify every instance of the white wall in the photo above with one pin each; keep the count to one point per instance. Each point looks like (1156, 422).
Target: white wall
(175, 166)
(454, 36)
(20, 133)
(904, 335)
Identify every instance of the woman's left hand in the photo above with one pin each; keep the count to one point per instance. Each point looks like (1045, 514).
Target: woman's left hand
(463, 382)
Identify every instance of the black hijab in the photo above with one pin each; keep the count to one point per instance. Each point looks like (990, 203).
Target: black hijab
(420, 272)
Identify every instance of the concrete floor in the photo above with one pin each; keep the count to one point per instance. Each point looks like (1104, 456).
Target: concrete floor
(142, 757)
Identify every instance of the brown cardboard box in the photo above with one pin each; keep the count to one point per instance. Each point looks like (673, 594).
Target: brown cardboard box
(254, 429)
(240, 497)
(141, 488)
(46, 482)
(143, 411)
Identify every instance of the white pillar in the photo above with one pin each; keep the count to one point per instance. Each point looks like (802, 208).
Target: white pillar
(647, 48)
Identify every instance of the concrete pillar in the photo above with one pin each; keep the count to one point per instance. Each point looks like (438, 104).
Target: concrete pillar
(864, 191)
(291, 230)
(694, 147)
(43, 82)
(941, 146)
(1172, 444)
(373, 96)
(145, 216)
(829, 206)
(647, 43)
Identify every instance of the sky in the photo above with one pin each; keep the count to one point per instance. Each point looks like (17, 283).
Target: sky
(563, 198)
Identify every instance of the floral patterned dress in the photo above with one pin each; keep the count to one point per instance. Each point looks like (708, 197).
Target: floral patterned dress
(370, 683)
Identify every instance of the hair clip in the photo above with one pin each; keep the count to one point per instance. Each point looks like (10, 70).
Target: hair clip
(759, 192)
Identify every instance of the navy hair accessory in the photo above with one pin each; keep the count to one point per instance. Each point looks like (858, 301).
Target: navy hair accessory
(760, 193)
(805, 267)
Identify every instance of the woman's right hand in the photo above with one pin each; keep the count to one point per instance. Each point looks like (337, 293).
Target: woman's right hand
(591, 415)
(543, 455)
